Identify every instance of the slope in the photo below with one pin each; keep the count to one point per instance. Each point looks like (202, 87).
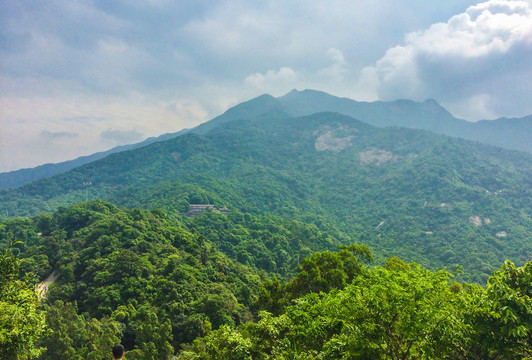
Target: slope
(249, 109)
(512, 134)
(428, 198)
(429, 115)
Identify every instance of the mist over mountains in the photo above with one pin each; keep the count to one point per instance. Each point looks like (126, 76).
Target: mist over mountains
(429, 115)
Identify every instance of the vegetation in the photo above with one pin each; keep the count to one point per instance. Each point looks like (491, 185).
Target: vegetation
(158, 284)
(132, 274)
(283, 275)
(396, 312)
(21, 323)
(427, 198)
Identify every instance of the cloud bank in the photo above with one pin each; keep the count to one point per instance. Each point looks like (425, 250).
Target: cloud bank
(474, 64)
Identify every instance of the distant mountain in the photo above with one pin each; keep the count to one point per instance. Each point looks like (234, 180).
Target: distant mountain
(429, 198)
(428, 115)
(515, 134)
(14, 179)
(251, 108)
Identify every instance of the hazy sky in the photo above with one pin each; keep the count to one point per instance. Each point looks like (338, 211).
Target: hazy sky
(78, 77)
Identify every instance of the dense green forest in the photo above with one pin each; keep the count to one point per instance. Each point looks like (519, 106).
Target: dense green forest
(341, 241)
(427, 198)
(163, 285)
(114, 269)
(429, 115)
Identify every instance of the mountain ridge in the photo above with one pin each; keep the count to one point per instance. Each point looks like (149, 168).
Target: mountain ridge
(511, 133)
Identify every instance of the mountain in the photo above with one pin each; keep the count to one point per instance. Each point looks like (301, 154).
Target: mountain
(252, 108)
(13, 179)
(429, 198)
(515, 134)
(429, 115)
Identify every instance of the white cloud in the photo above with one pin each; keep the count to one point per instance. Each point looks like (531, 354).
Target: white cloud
(63, 128)
(463, 63)
(282, 80)
(59, 135)
(339, 67)
(117, 137)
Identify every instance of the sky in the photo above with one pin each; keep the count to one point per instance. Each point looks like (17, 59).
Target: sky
(80, 76)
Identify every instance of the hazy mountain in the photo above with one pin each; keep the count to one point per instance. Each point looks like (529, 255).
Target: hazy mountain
(428, 198)
(16, 178)
(429, 115)
(515, 134)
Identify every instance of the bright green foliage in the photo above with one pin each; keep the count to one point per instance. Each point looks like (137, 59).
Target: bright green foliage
(21, 322)
(397, 314)
(321, 272)
(502, 316)
(77, 337)
(384, 314)
(227, 344)
(405, 312)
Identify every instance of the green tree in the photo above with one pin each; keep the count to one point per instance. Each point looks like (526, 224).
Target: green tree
(501, 316)
(321, 272)
(21, 322)
(153, 337)
(405, 314)
(77, 337)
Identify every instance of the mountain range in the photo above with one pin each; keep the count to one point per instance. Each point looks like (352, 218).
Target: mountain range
(429, 115)
(426, 197)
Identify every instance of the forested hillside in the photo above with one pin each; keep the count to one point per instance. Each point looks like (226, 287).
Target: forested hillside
(428, 198)
(157, 284)
(429, 115)
(139, 277)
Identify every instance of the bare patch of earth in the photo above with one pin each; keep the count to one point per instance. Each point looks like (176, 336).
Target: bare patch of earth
(329, 141)
(475, 220)
(377, 156)
(42, 287)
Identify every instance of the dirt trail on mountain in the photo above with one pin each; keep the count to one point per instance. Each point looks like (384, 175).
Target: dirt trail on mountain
(43, 286)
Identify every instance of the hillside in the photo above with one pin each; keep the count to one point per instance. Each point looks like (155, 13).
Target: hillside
(429, 115)
(13, 179)
(428, 198)
(512, 134)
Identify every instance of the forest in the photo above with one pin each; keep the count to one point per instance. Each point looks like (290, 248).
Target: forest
(341, 241)
(430, 199)
(166, 287)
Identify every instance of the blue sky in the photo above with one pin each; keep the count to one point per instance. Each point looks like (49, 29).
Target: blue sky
(78, 77)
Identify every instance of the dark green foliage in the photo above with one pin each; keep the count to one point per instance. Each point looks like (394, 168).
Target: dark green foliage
(265, 242)
(140, 276)
(76, 336)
